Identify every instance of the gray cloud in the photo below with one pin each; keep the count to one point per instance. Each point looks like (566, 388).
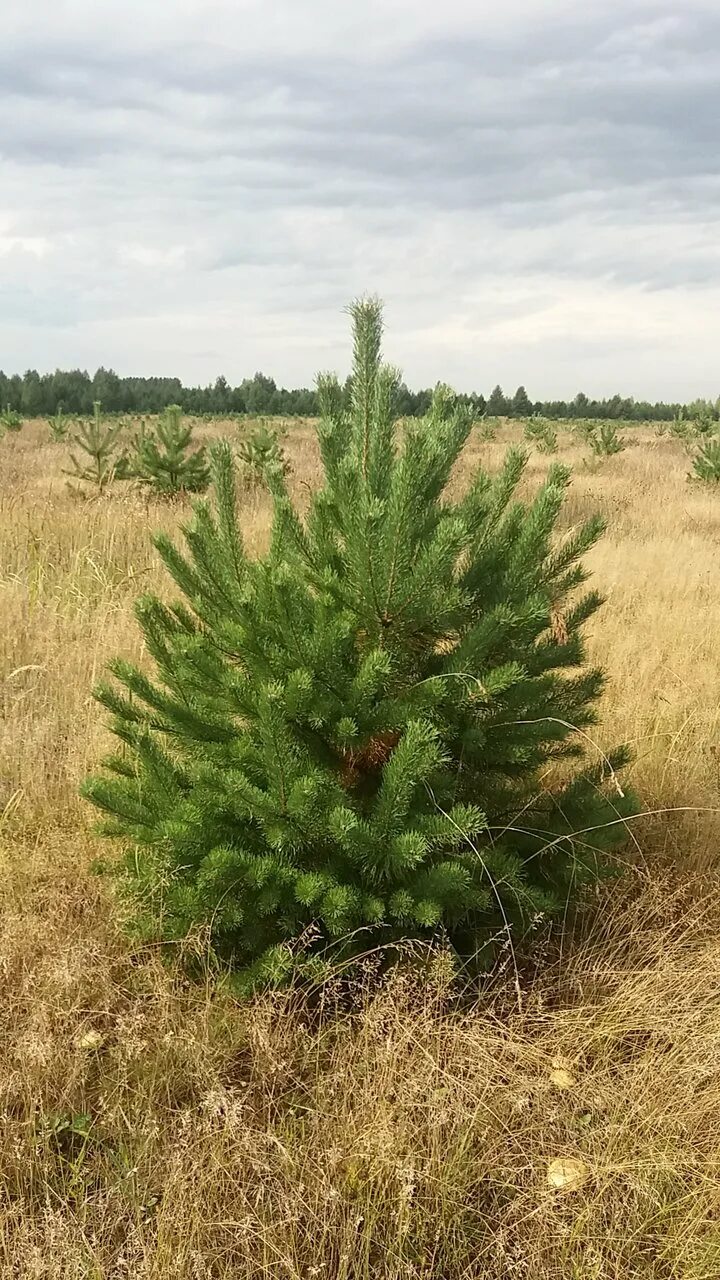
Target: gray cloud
(535, 194)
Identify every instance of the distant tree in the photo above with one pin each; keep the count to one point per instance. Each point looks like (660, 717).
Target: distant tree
(32, 401)
(107, 389)
(259, 392)
(497, 405)
(71, 390)
(222, 396)
(521, 406)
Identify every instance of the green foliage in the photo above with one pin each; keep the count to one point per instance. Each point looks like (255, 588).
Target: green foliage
(98, 441)
(10, 420)
(365, 734)
(541, 433)
(163, 460)
(706, 462)
(59, 426)
(262, 453)
(605, 441)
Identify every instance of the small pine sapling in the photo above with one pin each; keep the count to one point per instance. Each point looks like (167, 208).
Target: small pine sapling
(541, 433)
(59, 425)
(584, 429)
(262, 454)
(703, 417)
(706, 462)
(683, 429)
(605, 440)
(488, 428)
(375, 730)
(98, 441)
(10, 419)
(163, 459)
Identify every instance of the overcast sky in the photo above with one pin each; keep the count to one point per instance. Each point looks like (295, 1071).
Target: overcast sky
(200, 186)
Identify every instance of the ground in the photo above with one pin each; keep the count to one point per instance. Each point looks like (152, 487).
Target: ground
(564, 1126)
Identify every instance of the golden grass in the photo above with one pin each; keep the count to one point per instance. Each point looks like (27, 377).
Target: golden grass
(150, 1128)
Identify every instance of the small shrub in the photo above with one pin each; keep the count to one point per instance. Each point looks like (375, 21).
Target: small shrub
(98, 441)
(163, 459)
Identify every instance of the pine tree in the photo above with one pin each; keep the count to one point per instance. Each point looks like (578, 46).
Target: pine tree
(163, 460)
(521, 406)
(497, 405)
(367, 733)
(98, 441)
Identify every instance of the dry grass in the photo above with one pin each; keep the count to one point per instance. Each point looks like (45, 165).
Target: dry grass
(149, 1128)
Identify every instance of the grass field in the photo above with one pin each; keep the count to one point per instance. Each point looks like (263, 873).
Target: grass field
(150, 1128)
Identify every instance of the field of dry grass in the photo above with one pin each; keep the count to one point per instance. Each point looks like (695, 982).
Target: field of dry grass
(150, 1128)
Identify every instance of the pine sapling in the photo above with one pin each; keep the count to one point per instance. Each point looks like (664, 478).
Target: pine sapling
(10, 419)
(59, 425)
(98, 441)
(541, 433)
(262, 454)
(375, 730)
(605, 440)
(165, 460)
(488, 428)
(706, 462)
(683, 429)
(705, 421)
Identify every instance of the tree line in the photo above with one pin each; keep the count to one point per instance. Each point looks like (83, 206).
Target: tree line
(74, 391)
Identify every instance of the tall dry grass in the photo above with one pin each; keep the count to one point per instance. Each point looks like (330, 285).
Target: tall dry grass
(152, 1128)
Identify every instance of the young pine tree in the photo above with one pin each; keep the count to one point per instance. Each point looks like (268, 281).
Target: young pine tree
(540, 432)
(367, 733)
(10, 419)
(261, 453)
(163, 460)
(59, 425)
(706, 463)
(605, 441)
(98, 441)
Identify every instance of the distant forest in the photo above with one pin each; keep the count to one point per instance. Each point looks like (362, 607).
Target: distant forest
(39, 395)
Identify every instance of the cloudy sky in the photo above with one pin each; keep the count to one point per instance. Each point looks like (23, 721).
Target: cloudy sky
(199, 186)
